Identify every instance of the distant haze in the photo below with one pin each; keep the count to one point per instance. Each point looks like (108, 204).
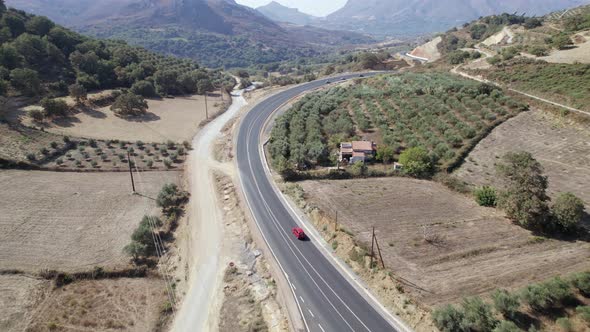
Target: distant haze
(313, 7)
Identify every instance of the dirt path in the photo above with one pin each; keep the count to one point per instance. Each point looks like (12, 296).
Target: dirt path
(205, 230)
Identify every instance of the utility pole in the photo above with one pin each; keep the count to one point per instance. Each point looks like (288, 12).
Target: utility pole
(130, 170)
(372, 248)
(336, 223)
(379, 250)
(206, 108)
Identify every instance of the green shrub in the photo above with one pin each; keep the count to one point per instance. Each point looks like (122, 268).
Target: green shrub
(486, 196)
(584, 313)
(448, 318)
(31, 157)
(36, 115)
(581, 281)
(171, 198)
(507, 326)
(543, 296)
(506, 303)
(567, 211)
(167, 163)
(565, 324)
(478, 315)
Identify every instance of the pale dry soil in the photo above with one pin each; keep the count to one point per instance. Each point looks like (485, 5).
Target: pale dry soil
(579, 53)
(562, 148)
(19, 294)
(100, 305)
(72, 221)
(175, 119)
(474, 250)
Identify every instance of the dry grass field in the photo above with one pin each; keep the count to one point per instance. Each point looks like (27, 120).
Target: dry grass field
(563, 149)
(71, 221)
(474, 250)
(17, 142)
(175, 119)
(100, 305)
(19, 294)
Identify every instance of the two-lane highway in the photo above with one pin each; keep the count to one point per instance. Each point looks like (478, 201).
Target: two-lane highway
(327, 300)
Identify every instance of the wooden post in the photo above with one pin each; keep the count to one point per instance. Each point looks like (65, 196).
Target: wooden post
(130, 170)
(206, 108)
(336, 223)
(372, 248)
(379, 250)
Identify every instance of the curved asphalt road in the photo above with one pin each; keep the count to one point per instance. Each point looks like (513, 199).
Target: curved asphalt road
(326, 299)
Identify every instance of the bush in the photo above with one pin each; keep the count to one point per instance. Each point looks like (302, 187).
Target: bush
(478, 315)
(167, 163)
(567, 211)
(584, 312)
(144, 88)
(581, 281)
(507, 326)
(448, 318)
(565, 324)
(31, 157)
(506, 303)
(54, 107)
(36, 115)
(358, 169)
(416, 162)
(171, 198)
(486, 196)
(546, 295)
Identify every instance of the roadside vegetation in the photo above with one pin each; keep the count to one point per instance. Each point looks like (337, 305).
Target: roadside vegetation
(437, 113)
(555, 304)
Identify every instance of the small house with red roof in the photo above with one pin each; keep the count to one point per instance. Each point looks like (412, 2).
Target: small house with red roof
(355, 151)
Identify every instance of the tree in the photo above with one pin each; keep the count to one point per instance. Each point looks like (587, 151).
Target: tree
(170, 198)
(135, 250)
(477, 31)
(26, 81)
(54, 107)
(567, 211)
(478, 315)
(561, 41)
(543, 296)
(9, 57)
(525, 198)
(39, 25)
(416, 162)
(129, 104)
(358, 169)
(144, 89)
(36, 115)
(448, 318)
(385, 153)
(14, 22)
(506, 303)
(78, 92)
(486, 196)
(532, 22)
(2, 7)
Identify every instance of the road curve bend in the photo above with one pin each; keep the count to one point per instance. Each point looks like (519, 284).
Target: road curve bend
(327, 300)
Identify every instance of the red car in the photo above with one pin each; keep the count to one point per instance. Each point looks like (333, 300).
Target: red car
(299, 233)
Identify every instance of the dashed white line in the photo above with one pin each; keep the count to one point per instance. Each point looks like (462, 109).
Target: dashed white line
(295, 288)
(302, 300)
(311, 313)
(321, 328)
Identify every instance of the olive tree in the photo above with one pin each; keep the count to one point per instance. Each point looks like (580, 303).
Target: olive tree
(567, 211)
(417, 162)
(129, 104)
(524, 199)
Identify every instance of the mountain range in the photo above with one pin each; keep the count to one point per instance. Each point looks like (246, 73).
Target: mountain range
(407, 18)
(412, 17)
(214, 32)
(279, 13)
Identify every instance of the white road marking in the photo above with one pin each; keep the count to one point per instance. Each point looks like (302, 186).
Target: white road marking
(321, 328)
(302, 300)
(311, 313)
(295, 288)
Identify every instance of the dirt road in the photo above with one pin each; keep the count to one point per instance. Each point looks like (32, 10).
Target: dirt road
(205, 230)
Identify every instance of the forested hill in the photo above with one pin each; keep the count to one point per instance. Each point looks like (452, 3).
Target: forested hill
(41, 58)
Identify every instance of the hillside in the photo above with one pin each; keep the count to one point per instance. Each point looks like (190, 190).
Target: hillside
(279, 13)
(526, 54)
(40, 58)
(213, 32)
(400, 18)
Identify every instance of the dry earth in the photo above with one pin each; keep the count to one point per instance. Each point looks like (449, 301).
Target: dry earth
(71, 221)
(474, 250)
(562, 148)
(580, 53)
(175, 119)
(100, 305)
(429, 50)
(19, 294)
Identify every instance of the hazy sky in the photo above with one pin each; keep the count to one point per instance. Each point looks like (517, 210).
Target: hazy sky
(314, 7)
